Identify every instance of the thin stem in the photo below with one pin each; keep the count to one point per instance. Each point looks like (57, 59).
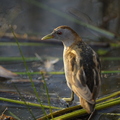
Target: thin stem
(48, 96)
(60, 73)
(28, 103)
(28, 72)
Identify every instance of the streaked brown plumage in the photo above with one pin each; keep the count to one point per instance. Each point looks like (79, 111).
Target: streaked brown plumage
(82, 66)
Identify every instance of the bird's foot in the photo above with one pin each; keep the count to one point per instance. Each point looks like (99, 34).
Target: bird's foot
(66, 101)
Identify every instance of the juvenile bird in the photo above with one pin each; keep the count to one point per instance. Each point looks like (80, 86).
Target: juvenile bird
(81, 65)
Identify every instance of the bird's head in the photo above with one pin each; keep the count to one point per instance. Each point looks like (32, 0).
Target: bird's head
(64, 34)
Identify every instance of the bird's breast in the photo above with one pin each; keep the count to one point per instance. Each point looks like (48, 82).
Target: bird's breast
(66, 65)
(69, 59)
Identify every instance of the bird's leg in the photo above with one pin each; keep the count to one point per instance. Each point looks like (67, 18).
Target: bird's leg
(91, 115)
(69, 100)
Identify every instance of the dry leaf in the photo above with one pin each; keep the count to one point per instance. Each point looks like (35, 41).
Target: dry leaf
(6, 73)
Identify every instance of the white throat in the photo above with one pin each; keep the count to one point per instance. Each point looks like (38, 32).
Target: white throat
(68, 43)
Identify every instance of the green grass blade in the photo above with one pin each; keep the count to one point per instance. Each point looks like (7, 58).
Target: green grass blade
(14, 115)
(9, 59)
(111, 71)
(109, 96)
(28, 103)
(61, 73)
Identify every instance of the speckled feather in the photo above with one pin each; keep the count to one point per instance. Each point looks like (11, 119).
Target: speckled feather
(82, 71)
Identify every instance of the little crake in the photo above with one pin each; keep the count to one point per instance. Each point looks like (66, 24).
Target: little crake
(82, 67)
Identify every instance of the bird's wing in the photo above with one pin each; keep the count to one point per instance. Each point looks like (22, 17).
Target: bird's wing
(80, 83)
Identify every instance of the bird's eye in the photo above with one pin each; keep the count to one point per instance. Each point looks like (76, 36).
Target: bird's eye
(59, 33)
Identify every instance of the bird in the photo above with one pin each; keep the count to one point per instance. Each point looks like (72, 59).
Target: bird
(82, 67)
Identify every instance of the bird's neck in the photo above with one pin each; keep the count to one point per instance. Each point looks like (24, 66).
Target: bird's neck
(68, 42)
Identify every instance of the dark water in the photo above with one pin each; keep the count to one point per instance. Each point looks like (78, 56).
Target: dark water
(56, 83)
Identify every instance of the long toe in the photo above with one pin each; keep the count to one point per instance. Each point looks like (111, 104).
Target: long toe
(66, 102)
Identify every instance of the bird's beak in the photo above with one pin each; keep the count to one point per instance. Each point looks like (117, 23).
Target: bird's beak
(49, 36)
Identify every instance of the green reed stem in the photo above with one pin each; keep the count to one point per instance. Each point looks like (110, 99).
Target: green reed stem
(61, 73)
(109, 96)
(28, 103)
(48, 96)
(82, 111)
(77, 111)
(28, 72)
(11, 59)
(13, 115)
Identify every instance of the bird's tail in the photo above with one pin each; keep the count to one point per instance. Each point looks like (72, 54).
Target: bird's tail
(86, 105)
